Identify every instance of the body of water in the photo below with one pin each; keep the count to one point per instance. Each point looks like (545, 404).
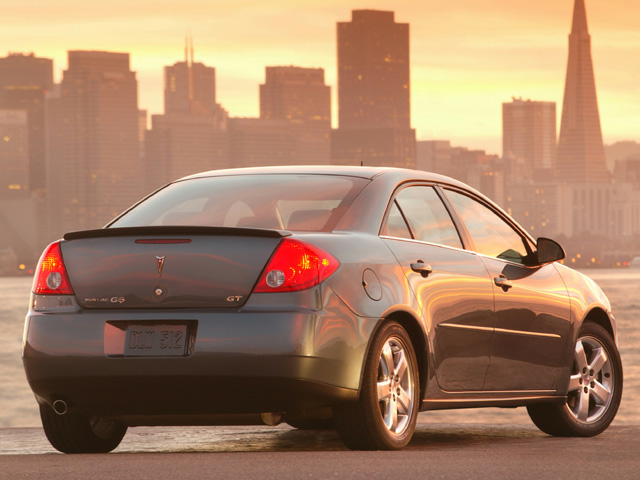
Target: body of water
(18, 407)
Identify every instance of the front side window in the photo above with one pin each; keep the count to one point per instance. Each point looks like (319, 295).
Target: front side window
(427, 216)
(491, 235)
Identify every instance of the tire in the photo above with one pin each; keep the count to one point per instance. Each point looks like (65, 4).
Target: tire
(76, 433)
(384, 417)
(595, 389)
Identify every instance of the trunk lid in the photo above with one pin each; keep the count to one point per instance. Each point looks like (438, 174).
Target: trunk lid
(167, 267)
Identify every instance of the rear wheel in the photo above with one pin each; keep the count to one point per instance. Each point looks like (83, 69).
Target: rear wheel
(595, 389)
(384, 417)
(77, 433)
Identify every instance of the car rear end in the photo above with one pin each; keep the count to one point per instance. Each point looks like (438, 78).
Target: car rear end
(177, 313)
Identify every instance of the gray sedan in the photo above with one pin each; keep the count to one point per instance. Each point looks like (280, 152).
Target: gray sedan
(325, 297)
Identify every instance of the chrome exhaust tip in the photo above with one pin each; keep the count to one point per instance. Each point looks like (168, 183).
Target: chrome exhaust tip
(271, 418)
(60, 407)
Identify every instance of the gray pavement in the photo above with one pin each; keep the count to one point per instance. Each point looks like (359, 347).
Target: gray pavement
(473, 451)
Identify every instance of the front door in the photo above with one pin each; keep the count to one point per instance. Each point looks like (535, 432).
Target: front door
(532, 317)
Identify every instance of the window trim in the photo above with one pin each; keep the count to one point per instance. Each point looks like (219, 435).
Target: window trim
(439, 245)
(385, 221)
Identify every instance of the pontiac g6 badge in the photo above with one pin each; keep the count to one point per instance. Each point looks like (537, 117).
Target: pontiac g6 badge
(160, 261)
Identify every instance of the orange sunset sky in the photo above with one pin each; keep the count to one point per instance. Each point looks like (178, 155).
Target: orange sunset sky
(467, 56)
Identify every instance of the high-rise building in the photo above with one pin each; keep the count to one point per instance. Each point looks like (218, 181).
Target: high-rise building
(475, 167)
(374, 113)
(24, 81)
(94, 157)
(529, 138)
(192, 135)
(628, 171)
(373, 71)
(300, 97)
(142, 130)
(14, 153)
(624, 150)
(190, 87)
(433, 155)
(603, 209)
(183, 144)
(581, 157)
(256, 142)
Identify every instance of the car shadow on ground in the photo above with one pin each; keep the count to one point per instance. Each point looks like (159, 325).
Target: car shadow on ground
(287, 439)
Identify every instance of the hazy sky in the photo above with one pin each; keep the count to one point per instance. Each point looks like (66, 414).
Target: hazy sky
(467, 56)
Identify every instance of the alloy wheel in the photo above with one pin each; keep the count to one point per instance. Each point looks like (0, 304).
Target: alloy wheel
(591, 384)
(395, 387)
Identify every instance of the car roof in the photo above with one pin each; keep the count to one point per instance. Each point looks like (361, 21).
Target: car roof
(367, 172)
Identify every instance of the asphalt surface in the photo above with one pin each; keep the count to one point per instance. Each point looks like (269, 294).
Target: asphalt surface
(447, 451)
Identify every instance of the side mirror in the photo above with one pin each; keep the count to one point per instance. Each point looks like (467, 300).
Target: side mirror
(549, 251)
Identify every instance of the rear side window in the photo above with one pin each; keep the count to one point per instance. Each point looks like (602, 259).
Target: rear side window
(395, 225)
(427, 216)
(290, 202)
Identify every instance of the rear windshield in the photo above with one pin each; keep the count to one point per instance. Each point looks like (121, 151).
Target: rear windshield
(284, 202)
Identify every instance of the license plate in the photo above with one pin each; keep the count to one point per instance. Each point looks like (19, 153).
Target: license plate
(155, 340)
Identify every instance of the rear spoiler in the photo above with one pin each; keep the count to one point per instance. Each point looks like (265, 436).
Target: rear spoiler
(175, 230)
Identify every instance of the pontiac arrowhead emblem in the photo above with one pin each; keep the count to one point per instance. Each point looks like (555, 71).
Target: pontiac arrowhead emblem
(160, 261)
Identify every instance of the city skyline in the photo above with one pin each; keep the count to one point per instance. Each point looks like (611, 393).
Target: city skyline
(466, 59)
(96, 143)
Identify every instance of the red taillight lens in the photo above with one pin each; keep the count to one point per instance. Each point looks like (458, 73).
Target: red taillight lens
(296, 266)
(51, 275)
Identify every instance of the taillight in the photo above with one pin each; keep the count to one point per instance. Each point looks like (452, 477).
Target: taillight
(296, 266)
(51, 275)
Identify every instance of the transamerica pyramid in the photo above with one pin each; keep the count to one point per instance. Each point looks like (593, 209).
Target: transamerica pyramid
(581, 157)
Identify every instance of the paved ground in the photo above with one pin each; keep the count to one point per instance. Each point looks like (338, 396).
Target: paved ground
(473, 451)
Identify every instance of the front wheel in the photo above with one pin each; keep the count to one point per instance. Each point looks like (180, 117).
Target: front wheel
(77, 433)
(384, 417)
(595, 389)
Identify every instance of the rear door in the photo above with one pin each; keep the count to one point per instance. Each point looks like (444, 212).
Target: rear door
(532, 317)
(451, 284)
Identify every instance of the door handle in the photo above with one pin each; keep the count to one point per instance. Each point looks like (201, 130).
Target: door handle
(503, 282)
(421, 268)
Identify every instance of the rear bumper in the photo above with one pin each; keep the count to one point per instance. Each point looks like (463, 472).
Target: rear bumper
(242, 361)
(162, 400)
